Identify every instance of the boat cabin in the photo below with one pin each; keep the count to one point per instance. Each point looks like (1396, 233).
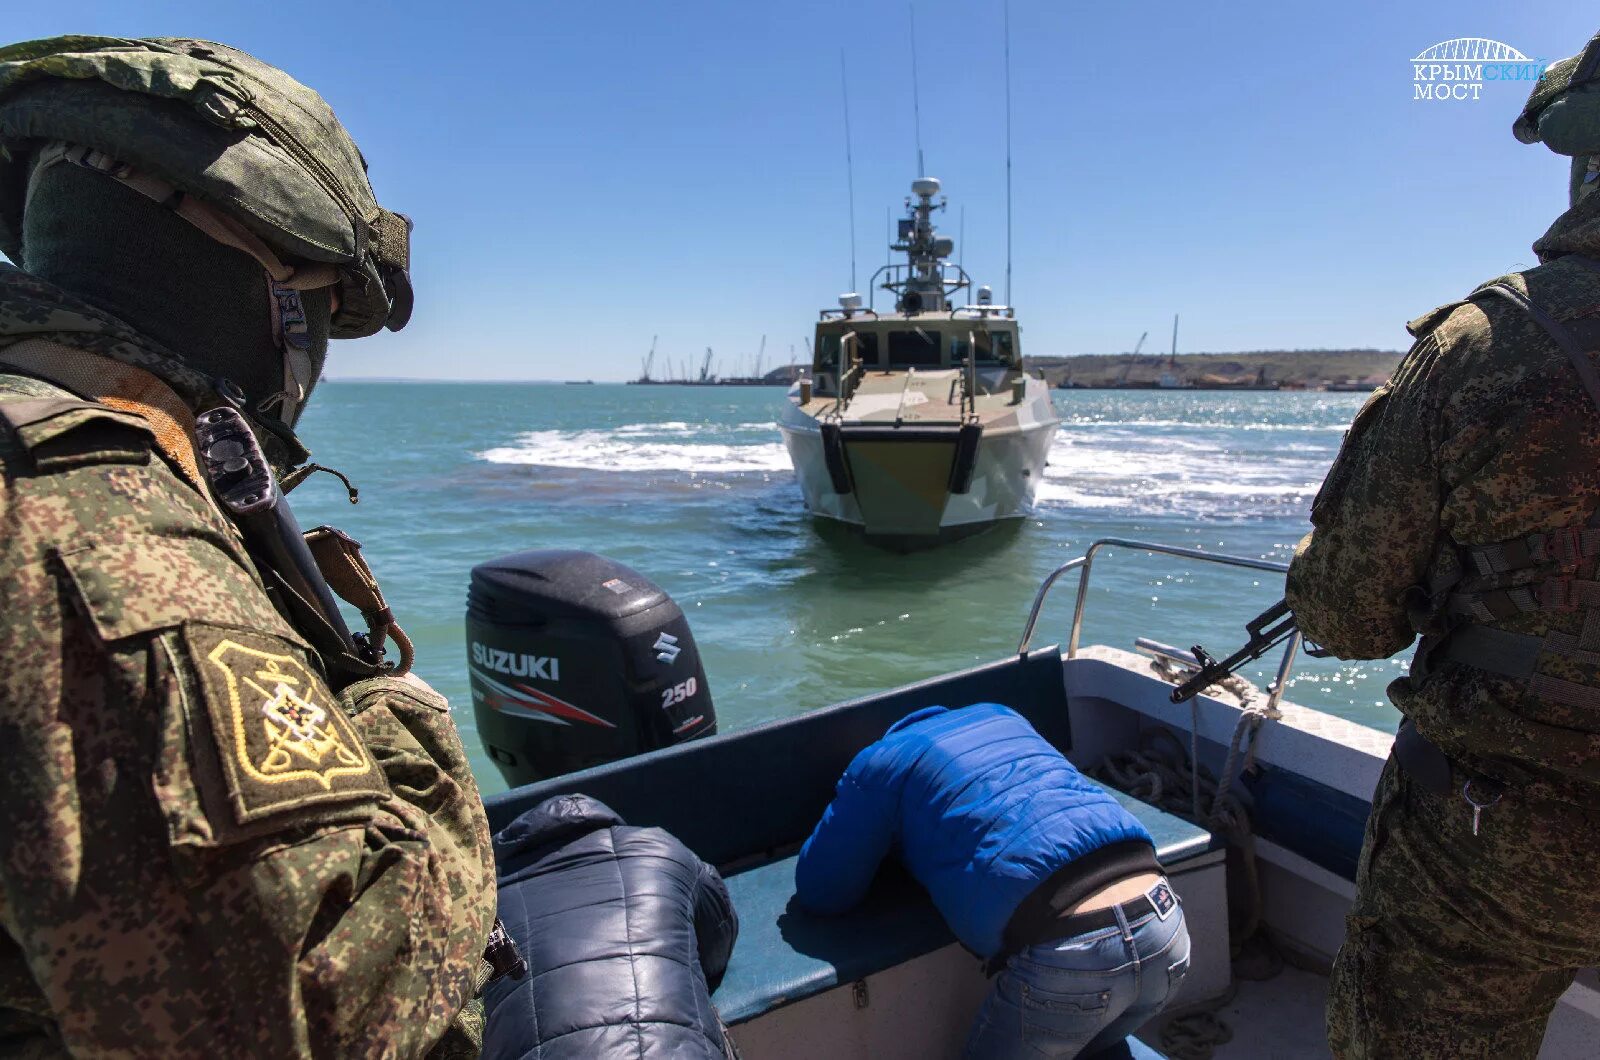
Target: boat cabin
(926, 331)
(925, 342)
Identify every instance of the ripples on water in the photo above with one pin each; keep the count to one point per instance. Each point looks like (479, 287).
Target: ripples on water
(692, 487)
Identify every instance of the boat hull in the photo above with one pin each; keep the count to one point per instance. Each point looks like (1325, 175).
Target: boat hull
(900, 478)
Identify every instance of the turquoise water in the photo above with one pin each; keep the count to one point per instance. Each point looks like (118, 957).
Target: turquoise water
(691, 487)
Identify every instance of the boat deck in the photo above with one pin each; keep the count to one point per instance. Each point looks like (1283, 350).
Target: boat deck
(1281, 1018)
(888, 980)
(1273, 1019)
(918, 396)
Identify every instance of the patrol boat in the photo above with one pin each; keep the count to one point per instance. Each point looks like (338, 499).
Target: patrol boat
(1260, 842)
(919, 424)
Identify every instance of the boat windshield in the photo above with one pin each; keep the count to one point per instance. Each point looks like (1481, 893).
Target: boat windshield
(999, 349)
(993, 347)
(828, 350)
(917, 348)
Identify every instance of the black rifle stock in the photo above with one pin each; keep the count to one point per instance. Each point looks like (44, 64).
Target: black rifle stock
(243, 481)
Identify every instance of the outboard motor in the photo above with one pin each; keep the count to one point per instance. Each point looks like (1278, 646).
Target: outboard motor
(575, 661)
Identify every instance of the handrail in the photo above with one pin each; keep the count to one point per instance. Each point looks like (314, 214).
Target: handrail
(1085, 564)
(895, 283)
(848, 377)
(969, 378)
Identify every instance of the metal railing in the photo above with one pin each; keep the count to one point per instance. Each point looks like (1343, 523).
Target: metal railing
(969, 379)
(951, 277)
(1084, 564)
(850, 372)
(984, 312)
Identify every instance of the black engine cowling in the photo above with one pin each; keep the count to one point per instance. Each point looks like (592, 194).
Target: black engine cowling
(574, 661)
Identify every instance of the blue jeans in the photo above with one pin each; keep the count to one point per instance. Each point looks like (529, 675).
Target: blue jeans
(1082, 994)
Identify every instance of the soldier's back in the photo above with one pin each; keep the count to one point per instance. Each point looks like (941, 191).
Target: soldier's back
(1518, 435)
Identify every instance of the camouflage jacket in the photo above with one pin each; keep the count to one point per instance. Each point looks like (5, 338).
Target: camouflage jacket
(206, 853)
(1483, 435)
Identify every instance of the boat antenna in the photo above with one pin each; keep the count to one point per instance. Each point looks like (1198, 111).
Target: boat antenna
(849, 167)
(961, 237)
(916, 92)
(1008, 148)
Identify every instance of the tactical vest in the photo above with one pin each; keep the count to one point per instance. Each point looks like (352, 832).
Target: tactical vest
(1552, 571)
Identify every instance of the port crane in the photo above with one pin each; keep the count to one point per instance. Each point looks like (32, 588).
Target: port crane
(1132, 359)
(649, 359)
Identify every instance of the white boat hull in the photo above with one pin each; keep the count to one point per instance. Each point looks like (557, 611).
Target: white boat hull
(1006, 474)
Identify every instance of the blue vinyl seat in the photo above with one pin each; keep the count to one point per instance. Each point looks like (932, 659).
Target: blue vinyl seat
(784, 955)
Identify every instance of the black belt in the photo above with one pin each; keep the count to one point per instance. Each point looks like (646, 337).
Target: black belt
(1064, 927)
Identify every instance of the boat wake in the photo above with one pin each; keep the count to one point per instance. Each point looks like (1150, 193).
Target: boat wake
(1210, 472)
(695, 449)
(1226, 461)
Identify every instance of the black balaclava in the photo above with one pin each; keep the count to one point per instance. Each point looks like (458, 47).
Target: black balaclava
(143, 264)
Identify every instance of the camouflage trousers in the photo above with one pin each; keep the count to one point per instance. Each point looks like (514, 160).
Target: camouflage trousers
(1459, 945)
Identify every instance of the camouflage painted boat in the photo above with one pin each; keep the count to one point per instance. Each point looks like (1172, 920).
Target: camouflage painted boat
(919, 424)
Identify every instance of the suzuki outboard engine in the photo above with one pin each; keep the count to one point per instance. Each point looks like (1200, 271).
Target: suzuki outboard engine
(574, 661)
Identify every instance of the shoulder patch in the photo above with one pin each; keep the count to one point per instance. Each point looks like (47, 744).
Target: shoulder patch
(282, 740)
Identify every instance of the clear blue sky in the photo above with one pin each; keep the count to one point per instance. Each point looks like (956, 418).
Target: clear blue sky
(585, 175)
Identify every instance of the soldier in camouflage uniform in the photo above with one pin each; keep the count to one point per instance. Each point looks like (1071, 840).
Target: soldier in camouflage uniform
(210, 849)
(1465, 507)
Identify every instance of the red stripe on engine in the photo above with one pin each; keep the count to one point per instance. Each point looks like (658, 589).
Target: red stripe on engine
(561, 708)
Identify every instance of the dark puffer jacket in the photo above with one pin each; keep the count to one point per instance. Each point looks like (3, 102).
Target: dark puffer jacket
(625, 932)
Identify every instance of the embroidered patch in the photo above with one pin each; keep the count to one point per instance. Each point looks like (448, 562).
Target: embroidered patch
(281, 738)
(1163, 899)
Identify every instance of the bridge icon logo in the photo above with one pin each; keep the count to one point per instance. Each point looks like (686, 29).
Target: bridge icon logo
(1456, 70)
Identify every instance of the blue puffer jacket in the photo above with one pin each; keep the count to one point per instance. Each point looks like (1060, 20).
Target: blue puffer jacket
(625, 932)
(982, 808)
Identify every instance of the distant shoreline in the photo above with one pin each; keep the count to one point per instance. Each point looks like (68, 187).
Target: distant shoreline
(523, 382)
(1254, 370)
(1362, 369)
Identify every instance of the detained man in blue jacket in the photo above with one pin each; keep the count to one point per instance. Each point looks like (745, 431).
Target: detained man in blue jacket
(1032, 865)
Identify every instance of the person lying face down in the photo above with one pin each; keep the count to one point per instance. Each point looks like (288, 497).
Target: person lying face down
(1033, 867)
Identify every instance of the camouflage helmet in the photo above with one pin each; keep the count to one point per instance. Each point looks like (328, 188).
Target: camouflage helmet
(244, 139)
(1563, 111)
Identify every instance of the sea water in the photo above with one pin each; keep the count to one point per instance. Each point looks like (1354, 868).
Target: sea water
(691, 486)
